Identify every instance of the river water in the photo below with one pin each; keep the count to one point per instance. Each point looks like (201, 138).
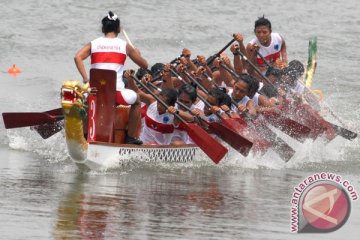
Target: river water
(44, 195)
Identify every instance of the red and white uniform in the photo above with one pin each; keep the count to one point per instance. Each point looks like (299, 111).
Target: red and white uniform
(243, 101)
(158, 129)
(270, 53)
(110, 53)
(180, 132)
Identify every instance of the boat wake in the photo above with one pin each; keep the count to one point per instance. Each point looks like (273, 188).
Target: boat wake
(54, 152)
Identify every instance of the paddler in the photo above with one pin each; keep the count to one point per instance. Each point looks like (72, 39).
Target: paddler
(270, 45)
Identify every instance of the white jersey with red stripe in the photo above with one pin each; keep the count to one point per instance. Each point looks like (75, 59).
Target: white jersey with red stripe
(243, 101)
(271, 52)
(109, 53)
(158, 128)
(179, 132)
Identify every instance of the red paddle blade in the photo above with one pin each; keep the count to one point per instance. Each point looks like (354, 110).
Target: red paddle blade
(215, 150)
(277, 144)
(236, 141)
(292, 128)
(345, 133)
(26, 119)
(56, 112)
(48, 129)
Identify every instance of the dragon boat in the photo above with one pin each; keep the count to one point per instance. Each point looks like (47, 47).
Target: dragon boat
(95, 132)
(95, 128)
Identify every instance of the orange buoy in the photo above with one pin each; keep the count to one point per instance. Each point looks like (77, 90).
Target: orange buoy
(14, 70)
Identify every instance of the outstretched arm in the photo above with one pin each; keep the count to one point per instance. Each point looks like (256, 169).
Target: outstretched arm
(80, 56)
(283, 52)
(135, 55)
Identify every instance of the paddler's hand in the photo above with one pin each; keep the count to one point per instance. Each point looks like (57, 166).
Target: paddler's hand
(181, 67)
(85, 80)
(238, 37)
(172, 110)
(225, 108)
(217, 62)
(186, 53)
(197, 112)
(252, 48)
(241, 108)
(215, 109)
(183, 60)
(146, 78)
(201, 60)
(280, 64)
(127, 73)
(225, 59)
(234, 47)
(200, 71)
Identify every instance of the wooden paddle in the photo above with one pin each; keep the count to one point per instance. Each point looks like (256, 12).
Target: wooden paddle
(291, 127)
(27, 119)
(45, 124)
(226, 134)
(228, 122)
(278, 145)
(215, 150)
(345, 133)
(212, 58)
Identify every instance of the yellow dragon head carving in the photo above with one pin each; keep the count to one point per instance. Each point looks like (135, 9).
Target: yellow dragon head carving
(73, 94)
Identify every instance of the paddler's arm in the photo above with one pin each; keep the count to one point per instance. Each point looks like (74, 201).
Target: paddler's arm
(131, 83)
(135, 55)
(283, 52)
(202, 62)
(166, 77)
(251, 54)
(184, 115)
(144, 97)
(238, 62)
(225, 76)
(238, 65)
(187, 55)
(251, 108)
(80, 56)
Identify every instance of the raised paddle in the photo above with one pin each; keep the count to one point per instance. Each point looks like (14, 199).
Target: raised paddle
(226, 134)
(127, 37)
(215, 150)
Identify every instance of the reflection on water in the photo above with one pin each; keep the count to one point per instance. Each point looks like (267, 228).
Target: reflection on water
(97, 207)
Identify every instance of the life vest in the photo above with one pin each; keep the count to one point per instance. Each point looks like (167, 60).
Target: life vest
(243, 101)
(109, 53)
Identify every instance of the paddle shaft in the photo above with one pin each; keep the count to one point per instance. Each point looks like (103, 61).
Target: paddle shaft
(215, 150)
(337, 128)
(156, 97)
(212, 58)
(127, 38)
(225, 133)
(254, 67)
